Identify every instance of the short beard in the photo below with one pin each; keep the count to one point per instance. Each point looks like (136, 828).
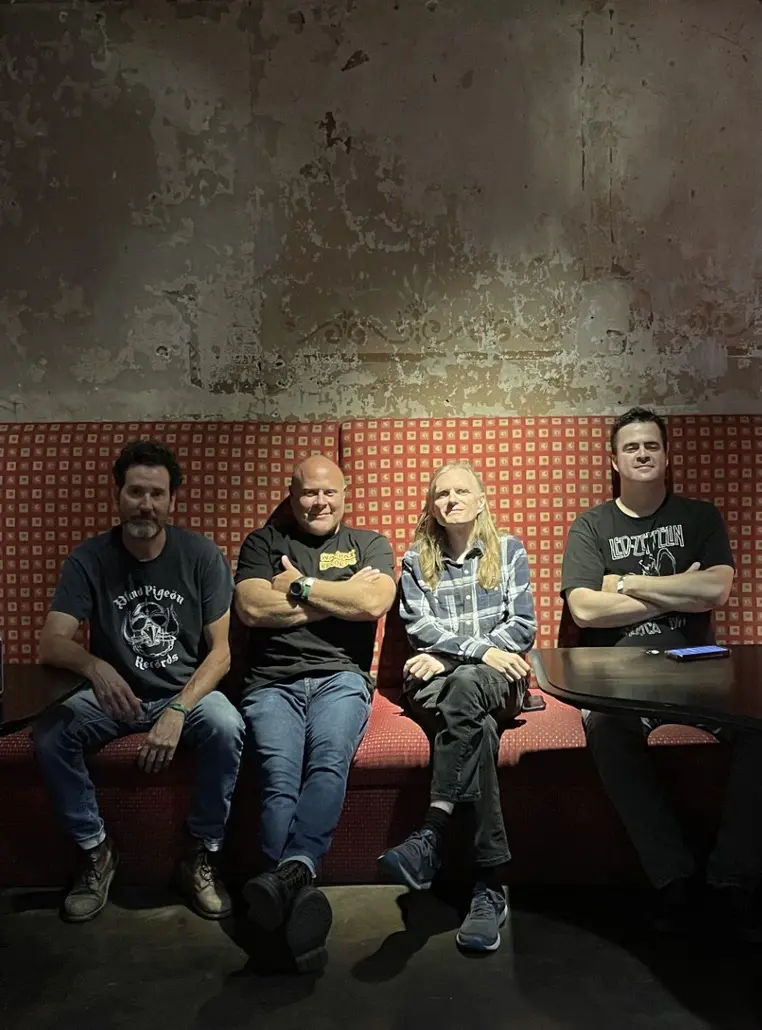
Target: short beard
(143, 530)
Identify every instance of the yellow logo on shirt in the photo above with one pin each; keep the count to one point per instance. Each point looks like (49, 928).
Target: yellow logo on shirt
(338, 559)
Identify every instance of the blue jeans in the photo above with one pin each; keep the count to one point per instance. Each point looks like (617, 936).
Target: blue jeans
(305, 734)
(213, 727)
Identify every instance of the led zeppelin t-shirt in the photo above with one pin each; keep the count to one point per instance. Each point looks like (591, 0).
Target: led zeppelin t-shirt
(607, 541)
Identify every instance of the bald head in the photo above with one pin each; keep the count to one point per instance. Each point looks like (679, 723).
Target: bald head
(317, 495)
(316, 464)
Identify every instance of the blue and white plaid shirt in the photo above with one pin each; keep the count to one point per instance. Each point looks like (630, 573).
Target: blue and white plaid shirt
(460, 618)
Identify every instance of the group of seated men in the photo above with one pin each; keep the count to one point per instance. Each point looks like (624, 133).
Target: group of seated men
(643, 570)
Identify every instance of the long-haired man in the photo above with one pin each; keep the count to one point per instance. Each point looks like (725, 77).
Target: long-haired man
(469, 615)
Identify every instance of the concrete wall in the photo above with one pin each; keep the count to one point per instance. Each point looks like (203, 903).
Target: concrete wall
(283, 208)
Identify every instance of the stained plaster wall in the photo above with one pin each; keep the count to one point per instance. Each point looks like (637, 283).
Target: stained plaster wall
(379, 207)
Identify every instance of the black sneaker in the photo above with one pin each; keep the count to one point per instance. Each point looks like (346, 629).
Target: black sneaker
(414, 862)
(271, 895)
(674, 907)
(735, 914)
(307, 928)
(89, 893)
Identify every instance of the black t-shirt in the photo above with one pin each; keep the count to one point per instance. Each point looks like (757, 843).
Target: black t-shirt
(328, 645)
(606, 540)
(147, 618)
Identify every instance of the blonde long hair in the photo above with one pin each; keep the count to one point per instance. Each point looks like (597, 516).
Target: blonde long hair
(430, 537)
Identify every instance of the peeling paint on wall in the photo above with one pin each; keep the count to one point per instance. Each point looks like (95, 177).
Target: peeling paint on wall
(249, 210)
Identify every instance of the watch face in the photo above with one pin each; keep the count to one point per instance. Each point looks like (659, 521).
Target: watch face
(295, 589)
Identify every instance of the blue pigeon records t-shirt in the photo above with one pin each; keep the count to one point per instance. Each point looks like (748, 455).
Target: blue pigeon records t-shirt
(147, 618)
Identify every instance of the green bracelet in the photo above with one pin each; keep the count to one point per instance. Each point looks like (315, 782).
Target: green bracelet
(177, 707)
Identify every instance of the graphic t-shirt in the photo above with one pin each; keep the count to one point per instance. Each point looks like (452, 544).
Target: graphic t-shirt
(147, 618)
(327, 645)
(680, 532)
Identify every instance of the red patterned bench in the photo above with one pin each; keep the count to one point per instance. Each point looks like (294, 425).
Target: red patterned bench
(539, 473)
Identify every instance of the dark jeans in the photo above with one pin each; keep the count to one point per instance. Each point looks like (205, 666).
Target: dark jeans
(619, 747)
(305, 734)
(61, 737)
(464, 712)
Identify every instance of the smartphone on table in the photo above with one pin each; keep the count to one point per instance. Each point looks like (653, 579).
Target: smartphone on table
(696, 654)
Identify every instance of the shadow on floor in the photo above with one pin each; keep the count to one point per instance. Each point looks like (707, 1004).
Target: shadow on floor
(424, 915)
(571, 958)
(715, 980)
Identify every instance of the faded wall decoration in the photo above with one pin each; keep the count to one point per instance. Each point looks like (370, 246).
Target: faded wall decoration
(332, 210)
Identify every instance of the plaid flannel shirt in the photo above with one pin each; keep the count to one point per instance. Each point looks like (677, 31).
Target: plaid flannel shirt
(459, 618)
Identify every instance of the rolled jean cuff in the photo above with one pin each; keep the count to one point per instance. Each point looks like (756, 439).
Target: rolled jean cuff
(93, 841)
(459, 799)
(744, 883)
(686, 873)
(492, 862)
(304, 859)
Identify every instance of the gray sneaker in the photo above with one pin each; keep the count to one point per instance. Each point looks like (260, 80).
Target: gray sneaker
(412, 863)
(89, 894)
(201, 884)
(480, 930)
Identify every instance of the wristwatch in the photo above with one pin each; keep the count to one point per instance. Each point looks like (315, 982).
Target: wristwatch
(299, 590)
(620, 585)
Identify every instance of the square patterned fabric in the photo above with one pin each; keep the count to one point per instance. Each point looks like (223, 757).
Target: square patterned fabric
(541, 473)
(56, 490)
(718, 458)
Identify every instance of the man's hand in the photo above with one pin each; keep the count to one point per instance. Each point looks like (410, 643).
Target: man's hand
(423, 667)
(610, 583)
(512, 665)
(284, 579)
(113, 693)
(161, 743)
(367, 575)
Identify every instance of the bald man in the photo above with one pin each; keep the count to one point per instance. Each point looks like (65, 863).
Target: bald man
(311, 590)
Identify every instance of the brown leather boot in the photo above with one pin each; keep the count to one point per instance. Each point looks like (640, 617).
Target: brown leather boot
(201, 884)
(89, 894)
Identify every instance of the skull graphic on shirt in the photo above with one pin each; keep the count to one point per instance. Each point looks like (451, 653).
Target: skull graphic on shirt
(151, 629)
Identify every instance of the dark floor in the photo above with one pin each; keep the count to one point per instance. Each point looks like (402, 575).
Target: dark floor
(570, 959)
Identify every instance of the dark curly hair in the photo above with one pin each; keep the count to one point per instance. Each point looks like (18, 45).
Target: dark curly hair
(637, 415)
(147, 452)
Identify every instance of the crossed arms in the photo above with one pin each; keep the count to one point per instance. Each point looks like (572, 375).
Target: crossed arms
(365, 597)
(648, 597)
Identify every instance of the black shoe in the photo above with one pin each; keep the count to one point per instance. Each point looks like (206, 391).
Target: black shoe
(271, 895)
(674, 907)
(414, 862)
(735, 914)
(89, 892)
(307, 929)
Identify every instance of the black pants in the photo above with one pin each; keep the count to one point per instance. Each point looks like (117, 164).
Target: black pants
(619, 748)
(464, 712)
